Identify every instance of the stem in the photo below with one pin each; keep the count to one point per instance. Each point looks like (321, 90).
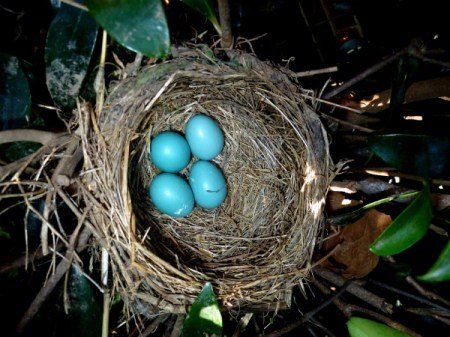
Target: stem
(350, 217)
(225, 23)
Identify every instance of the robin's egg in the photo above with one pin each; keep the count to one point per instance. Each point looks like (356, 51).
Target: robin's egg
(171, 194)
(207, 183)
(204, 136)
(170, 151)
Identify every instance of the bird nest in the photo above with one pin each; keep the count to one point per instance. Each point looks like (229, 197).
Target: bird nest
(255, 246)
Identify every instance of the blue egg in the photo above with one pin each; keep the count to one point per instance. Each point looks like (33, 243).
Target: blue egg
(207, 183)
(204, 137)
(170, 151)
(171, 195)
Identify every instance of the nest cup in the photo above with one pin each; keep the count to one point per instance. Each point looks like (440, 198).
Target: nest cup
(254, 247)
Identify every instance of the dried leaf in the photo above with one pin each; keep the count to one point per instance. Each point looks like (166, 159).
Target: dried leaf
(352, 257)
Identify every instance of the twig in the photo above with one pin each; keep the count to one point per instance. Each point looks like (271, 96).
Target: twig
(44, 227)
(412, 296)
(315, 72)
(429, 60)
(340, 106)
(154, 325)
(436, 314)
(41, 217)
(243, 322)
(241, 40)
(421, 289)
(348, 124)
(426, 292)
(178, 326)
(75, 4)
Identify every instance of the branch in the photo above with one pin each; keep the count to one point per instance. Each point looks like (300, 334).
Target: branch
(28, 135)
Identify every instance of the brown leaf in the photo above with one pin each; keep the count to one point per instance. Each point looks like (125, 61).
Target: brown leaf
(352, 257)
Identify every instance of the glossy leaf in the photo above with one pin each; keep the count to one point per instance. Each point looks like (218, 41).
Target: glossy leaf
(138, 25)
(422, 155)
(363, 327)
(440, 271)
(15, 97)
(407, 228)
(70, 42)
(204, 317)
(85, 314)
(205, 8)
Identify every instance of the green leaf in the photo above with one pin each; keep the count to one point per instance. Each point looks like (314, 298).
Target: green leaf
(70, 42)
(363, 327)
(204, 318)
(205, 8)
(440, 271)
(85, 315)
(407, 228)
(15, 97)
(138, 25)
(417, 154)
